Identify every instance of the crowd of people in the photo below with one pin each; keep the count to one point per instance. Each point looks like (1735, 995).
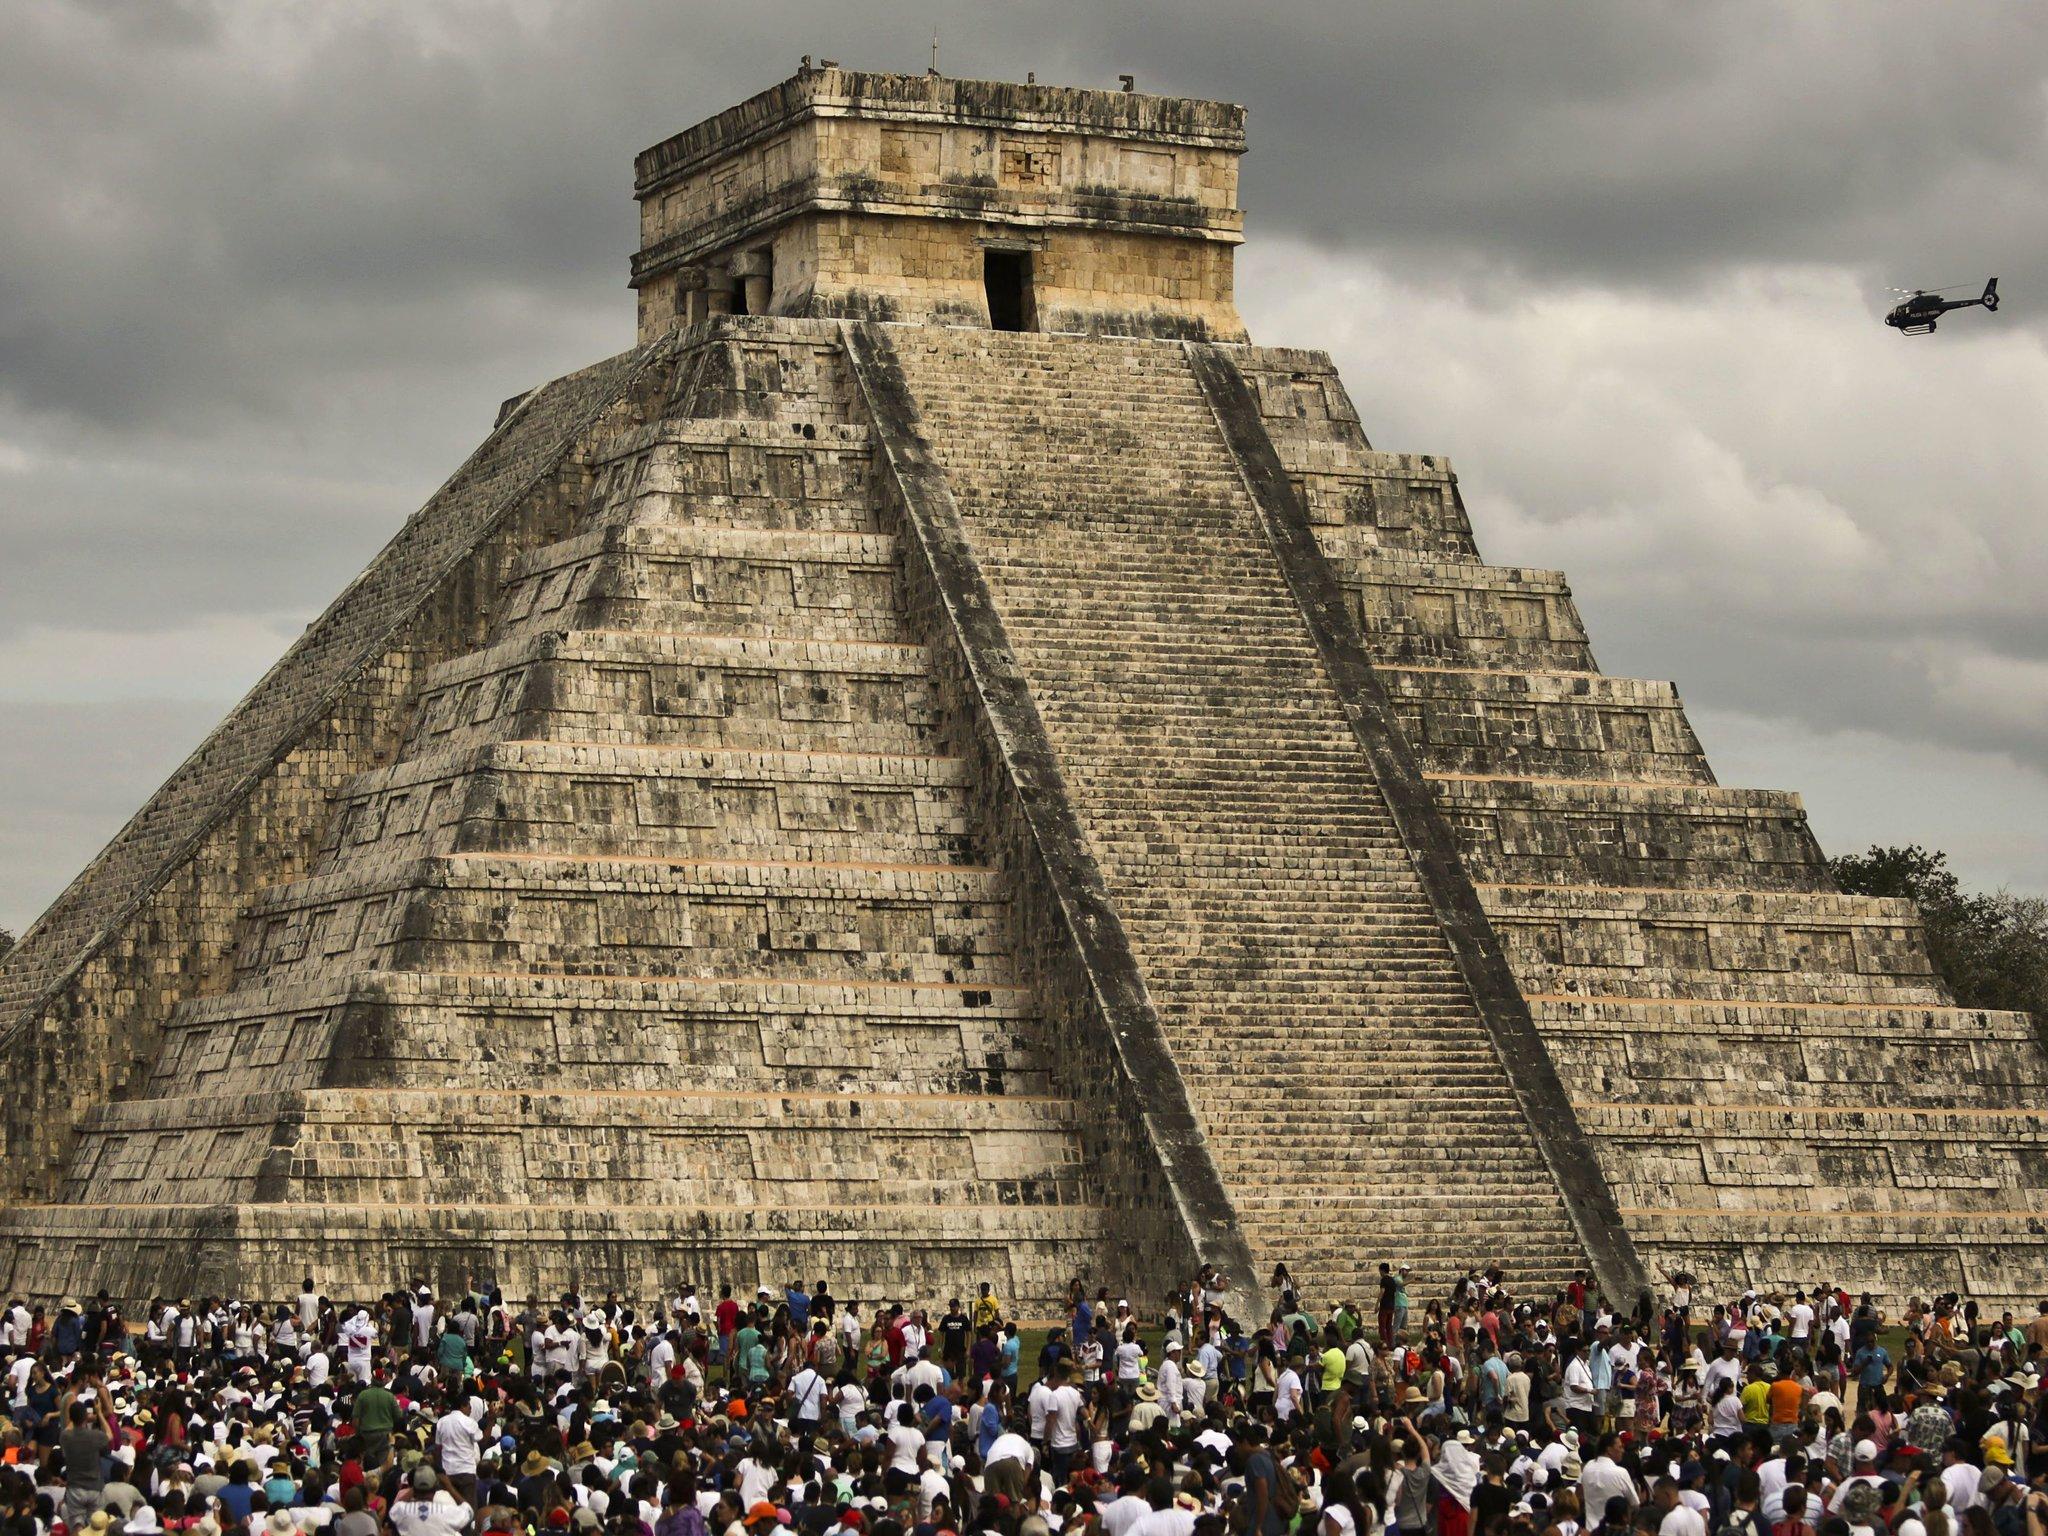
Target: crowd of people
(792, 1412)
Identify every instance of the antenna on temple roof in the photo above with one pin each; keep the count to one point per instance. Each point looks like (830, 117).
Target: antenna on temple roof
(935, 52)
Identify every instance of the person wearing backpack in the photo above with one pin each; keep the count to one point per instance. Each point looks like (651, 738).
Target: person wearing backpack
(1744, 1519)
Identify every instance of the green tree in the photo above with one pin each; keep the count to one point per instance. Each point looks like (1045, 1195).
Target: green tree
(1991, 948)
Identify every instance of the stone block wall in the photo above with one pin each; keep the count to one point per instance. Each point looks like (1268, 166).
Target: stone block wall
(86, 993)
(1778, 1086)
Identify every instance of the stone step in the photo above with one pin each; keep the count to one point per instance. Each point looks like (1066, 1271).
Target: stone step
(637, 800)
(419, 1029)
(1798, 945)
(1996, 1257)
(699, 690)
(789, 584)
(1534, 833)
(1174, 674)
(1509, 724)
(553, 915)
(685, 1145)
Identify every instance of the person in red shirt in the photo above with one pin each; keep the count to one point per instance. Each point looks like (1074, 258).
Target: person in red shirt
(727, 1318)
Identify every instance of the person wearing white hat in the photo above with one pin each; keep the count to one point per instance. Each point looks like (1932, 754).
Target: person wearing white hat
(1865, 1455)
(1171, 1382)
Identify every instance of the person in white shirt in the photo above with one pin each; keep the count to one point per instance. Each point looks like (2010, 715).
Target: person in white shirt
(1357, 1361)
(309, 1308)
(459, 1436)
(431, 1510)
(1962, 1480)
(423, 1320)
(931, 1487)
(359, 1337)
(1037, 1402)
(852, 1401)
(1177, 1518)
(1172, 1383)
(1011, 1446)
(1194, 1391)
(805, 1399)
(1771, 1477)
(1130, 1361)
(1287, 1394)
(563, 1345)
(1604, 1478)
(661, 1356)
(1680, 1518)
(1090, 1356)
(1064, 1407)
(1725, 1367)
(906, 1441)
(1800, 1316)
(1865, 1455)
(1580, 1397)
(1122, 1514)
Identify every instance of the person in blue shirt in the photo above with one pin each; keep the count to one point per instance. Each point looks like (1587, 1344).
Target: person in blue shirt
(237, 1497)
(989, 1424)
(1871, 1363)
(1012, 1349)
(799, 1305)
(1084, 1318)
(1601, 1365)
(279, 1488)
(936, 1413)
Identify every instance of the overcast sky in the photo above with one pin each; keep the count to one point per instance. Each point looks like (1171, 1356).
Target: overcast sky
(266, 272)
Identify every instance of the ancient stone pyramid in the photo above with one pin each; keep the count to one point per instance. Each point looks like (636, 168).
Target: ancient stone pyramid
(946, 763)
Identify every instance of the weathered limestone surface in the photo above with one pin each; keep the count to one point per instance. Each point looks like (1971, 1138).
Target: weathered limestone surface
(85, 994)
(925, 803)
(1277, 917)
(1779, 1088)
(847, 193)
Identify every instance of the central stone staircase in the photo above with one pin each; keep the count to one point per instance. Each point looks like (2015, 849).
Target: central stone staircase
(1348, 1088)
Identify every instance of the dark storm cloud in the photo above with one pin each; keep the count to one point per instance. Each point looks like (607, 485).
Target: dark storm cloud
(221, 192)
(265, 271)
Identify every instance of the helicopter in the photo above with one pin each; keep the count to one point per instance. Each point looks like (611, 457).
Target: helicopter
(1920, 307)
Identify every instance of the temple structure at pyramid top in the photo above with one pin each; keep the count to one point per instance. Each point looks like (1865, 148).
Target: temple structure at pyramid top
(921, 198)
(947, 763)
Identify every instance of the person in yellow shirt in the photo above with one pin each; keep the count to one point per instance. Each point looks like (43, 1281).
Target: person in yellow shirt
(988, 1308)
(1756, 1399)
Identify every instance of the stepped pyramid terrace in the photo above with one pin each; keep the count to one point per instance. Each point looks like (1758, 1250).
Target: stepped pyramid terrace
(949, 762)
